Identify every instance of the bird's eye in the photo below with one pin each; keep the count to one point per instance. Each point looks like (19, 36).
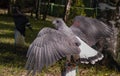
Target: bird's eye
(57, 21)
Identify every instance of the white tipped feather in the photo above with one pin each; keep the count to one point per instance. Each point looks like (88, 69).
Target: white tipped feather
(84, 62)
(101, 57)
(88, 52)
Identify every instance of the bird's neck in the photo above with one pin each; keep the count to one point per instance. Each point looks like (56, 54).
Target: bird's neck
(68, 32)
(65, 29)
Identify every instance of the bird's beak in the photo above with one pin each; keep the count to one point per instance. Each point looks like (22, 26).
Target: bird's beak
(54, 24)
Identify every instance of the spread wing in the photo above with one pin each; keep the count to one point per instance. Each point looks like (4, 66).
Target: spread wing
(49, 46)
(92, 29)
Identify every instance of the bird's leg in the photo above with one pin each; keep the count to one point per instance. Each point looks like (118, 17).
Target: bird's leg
(75, 58)
(68, 63)
(71, 62)
(68, 57)
(69, 68)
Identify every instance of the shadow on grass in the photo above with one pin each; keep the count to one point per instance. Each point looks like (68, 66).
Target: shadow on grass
(7, 35)
(8, 55)
(6, 30)
(11, 57)
(6, 18)
(5, 25)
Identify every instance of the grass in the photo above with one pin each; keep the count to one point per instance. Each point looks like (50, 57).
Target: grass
(12, 61)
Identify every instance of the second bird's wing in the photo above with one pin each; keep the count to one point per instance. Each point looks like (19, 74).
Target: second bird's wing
(92, 29)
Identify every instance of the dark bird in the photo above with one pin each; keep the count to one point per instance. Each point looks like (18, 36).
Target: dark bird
(21, 21)
(51, 45)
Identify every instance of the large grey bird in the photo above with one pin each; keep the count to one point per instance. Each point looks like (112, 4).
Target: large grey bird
(51, 45)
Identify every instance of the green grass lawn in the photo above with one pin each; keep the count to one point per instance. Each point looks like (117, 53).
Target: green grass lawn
(12, 61)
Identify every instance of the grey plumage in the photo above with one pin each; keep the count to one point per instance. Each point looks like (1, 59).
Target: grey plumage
(90, 30)
(51, 45)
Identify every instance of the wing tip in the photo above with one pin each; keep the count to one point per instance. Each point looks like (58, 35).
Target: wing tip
(93, 59)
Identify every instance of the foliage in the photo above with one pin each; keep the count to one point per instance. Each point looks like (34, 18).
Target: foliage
(76, 11)
(61, 2)
(25, 3)
(77, 3)
(59, 10)
(54, 10)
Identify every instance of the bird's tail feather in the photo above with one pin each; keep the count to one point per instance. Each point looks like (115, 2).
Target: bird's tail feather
(88, 54)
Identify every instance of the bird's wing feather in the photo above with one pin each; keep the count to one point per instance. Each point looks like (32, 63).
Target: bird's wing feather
(91, 28)
(49, 46)
(88, 54)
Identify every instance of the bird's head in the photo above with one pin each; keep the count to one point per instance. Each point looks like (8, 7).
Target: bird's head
(58, 23)
(76, 21)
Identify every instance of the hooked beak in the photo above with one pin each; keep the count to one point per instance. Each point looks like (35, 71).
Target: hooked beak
(54, 24)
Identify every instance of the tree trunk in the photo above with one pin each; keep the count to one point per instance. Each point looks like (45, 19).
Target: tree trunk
(37, 12)
(67, 10)
(11, 3)
(46, 9)
(10, 8)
